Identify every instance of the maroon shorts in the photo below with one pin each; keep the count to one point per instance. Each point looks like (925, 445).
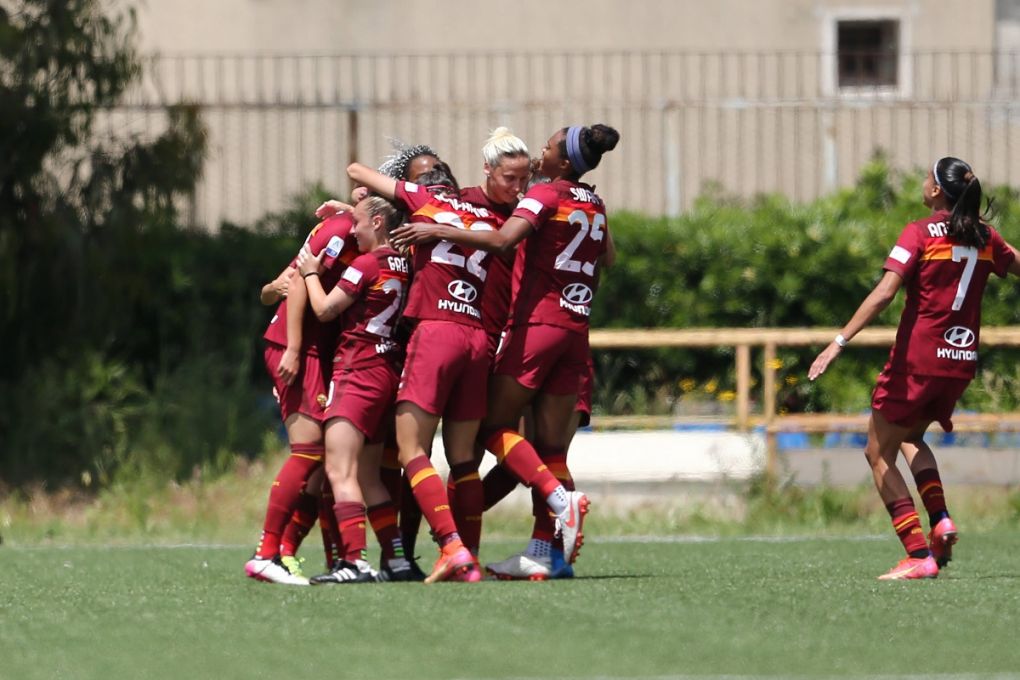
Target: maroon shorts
(906, 399)
(545, 358)
(307, 394)
(364, 396)
(584, 393)
(446, 372)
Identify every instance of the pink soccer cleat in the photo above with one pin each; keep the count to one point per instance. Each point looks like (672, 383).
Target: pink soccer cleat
(912, 568)
(942, 538)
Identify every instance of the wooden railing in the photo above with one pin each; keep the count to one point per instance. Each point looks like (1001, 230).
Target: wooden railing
(770, 339)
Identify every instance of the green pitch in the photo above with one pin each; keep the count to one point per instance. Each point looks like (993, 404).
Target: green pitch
(640, 609)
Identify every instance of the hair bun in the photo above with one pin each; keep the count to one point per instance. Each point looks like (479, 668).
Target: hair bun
(603, 138)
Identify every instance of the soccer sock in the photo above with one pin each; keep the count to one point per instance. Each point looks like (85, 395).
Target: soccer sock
(497, 485)
(518, 456)
(410, 516)
(468, 502)
(350, 517)
(907, 525)
(284, 495)
(543, 532)
(929, 486)
(556, 459)
(430, 493)
(383, 518)
(300, 523)
(390, 474)
(328, 527)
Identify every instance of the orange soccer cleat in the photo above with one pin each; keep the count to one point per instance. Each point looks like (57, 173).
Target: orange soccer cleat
(455, 563)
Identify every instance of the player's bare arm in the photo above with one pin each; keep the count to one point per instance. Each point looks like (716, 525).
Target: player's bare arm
(878, 299)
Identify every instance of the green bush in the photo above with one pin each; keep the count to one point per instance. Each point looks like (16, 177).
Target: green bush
(765, 262)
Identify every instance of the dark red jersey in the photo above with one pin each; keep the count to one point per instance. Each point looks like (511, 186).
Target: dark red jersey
(448, 278)
(377, 281)
(941, 322)
(334, 235)
(554, 276)
(496, 295)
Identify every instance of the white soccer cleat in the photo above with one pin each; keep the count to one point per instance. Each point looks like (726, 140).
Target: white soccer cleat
(521, 567)
(272, 571)
(569, 524)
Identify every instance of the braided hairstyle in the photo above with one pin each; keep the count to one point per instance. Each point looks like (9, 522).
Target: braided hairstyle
(593, 141)
(397, 164)
(963, 190)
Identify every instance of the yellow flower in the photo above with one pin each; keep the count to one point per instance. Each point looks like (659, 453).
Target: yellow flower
(776, 364)
(711, 386)
(727, 395)
(792, 380)
(688, 384)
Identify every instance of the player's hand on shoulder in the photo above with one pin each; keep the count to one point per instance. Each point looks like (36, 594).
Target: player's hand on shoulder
(308, 263)
(414, 233)
(332, 207)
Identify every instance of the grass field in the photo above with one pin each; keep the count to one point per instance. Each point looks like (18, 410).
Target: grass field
(640, 608)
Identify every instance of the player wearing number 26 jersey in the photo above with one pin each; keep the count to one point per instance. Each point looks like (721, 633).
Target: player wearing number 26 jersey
(944, 262)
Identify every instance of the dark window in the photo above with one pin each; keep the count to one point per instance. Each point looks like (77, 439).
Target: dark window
(868, 53)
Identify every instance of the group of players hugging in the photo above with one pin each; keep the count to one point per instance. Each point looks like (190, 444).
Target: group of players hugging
(420, 302)
(425, 302)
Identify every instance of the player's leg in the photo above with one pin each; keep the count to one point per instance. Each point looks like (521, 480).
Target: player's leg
(415, 430)
(884, 440)
(344, 444)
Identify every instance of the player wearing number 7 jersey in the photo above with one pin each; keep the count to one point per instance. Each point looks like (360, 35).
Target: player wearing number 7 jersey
(545, 352)
(944, 261)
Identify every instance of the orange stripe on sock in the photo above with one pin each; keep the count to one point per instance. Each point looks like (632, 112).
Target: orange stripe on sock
(905, 522)
(467, 478)
(316, 458)
(928, 487)
(423, 475)
(507, 441)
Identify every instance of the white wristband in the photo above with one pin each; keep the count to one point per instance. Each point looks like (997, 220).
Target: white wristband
(840, 340)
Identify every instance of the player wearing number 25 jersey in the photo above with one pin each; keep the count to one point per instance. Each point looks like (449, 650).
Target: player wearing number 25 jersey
(944, 262)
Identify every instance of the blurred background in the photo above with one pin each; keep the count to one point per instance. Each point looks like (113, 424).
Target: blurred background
(161, 160)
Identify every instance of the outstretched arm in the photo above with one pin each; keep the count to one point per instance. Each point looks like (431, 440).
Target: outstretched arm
(877, 300)
(514, 231)
(1014, 268)
(376, 182)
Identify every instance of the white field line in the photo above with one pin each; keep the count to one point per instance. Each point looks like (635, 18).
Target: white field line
(594, 539)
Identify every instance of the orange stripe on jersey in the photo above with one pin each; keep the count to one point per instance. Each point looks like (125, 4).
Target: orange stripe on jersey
(943, 250)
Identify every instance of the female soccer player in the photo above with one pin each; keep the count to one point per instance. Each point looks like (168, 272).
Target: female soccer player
(944, 260)
(295, 343)
(447, 366)
(363, 386)
(546, 350)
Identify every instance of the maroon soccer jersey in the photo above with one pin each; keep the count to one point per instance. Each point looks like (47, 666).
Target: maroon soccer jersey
(448, 278)
(496, 295)
(377, 281)
(941, 323)
(334, 235)
(554, 276)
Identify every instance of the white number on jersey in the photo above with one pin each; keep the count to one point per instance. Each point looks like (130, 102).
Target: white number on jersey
(594, 229)
(446, 252)
(969, 256)
(378, 323)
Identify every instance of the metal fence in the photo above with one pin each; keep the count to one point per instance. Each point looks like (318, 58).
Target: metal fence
(751, 122)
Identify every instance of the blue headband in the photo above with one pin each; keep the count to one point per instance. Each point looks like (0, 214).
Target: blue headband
(574, 150)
